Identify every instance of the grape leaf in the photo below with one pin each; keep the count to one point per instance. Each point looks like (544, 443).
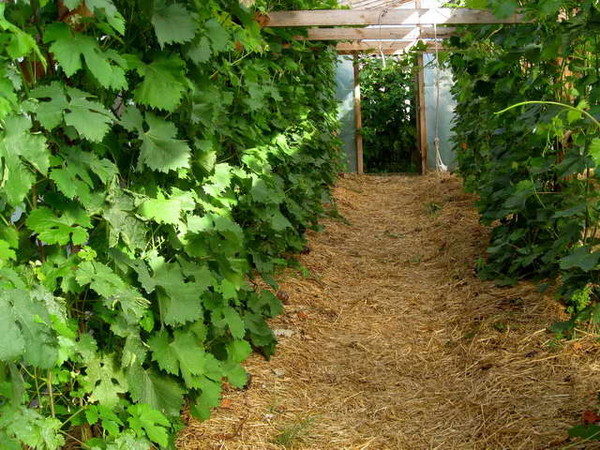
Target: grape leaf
(209, 398)
(236, 375)
(123, 223)
(200, 51)
(504, 8)
(238, 350)
(278, 221)
(580, 258)
(161, 150)
(219, 180)
(51, 228)
(161, 392)
(587, 432)
(104, 381)
(219, 37)
(75, 177)
(69, 48)
(18, 43)
(30, 428)
(189, 354)
(594, 151)
(91, 119)
(179, 300)
(134, 351)
(50, 113)
(12, 343)
(230, 317)
(163, 82)
(24, 321)
(145, 420)
(161, 210)
(162, 353)
(104, 8)
(173, 23)
(180, 355)
(6, 252)
(112, 289)
(17, 147)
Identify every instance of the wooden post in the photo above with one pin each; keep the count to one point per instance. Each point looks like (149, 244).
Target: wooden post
(421, 114)
(360, 168)
(421, 111)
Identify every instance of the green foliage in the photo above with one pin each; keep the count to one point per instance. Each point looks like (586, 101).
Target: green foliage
(155, 157)
(535, 164)
(389, 113)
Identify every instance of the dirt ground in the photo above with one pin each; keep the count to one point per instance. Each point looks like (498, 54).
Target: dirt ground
(390, 341)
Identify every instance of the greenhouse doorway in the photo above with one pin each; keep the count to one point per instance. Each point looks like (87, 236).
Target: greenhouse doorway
(389, 113)
(396, 112)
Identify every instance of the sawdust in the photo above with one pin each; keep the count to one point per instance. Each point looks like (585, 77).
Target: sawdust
(392, 342)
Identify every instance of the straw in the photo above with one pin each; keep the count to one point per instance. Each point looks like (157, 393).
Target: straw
(394, 343)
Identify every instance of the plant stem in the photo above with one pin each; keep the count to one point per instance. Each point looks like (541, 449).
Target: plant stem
(540, 102)
(51, 392)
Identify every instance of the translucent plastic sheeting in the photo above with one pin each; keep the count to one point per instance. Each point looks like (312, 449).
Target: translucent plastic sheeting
(445, 115)
(345, 96)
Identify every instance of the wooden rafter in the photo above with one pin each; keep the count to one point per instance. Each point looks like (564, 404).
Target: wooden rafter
(385, 47)
(421, 16)
(394, 32)
(366, 4)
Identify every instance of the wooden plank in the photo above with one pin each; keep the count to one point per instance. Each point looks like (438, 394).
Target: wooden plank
(355, 34)
(421, 115)
(373, 3)
(420, 16)
(360, 166)
(385, 47)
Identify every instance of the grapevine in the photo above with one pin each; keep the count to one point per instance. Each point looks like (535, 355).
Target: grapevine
(156, 157)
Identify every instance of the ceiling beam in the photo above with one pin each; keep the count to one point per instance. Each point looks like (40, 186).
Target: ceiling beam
(387, 48)
(342, 34)
(341, 17)
(364, 4)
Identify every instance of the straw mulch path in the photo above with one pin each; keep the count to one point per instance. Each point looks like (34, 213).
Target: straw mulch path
(392, 342)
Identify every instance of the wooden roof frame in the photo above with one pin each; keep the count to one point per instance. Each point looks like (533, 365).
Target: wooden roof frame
(404, 26)
(408, 27)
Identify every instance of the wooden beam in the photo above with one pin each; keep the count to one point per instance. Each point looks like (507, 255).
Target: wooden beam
(421, 16)
(360, 165)
(421, 115)
(360, 4)
(354, 34)
(421, 109)
(385, 47)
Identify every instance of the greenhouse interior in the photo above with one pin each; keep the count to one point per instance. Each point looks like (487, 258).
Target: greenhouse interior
(299, 224)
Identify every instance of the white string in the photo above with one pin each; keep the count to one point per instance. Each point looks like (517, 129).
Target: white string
(381, 14)
(438, 156)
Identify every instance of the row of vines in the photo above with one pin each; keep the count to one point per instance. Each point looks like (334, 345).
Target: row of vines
(156, 157)
(535, 165)
(527, 135)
